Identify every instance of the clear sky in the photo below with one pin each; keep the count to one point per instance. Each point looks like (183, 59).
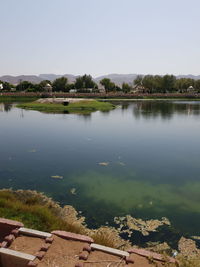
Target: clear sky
(99, 36)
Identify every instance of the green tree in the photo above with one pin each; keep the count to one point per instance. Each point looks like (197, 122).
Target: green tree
(168, 83)
(85, 82)
(197, 85)
(182, 84)
(157, 84)
(24, 85)
(148, 82)
(126, 87)
(138, 80)
(106, 83)
(60, 84)
(109, 86)
(40, 86)
(79, 83)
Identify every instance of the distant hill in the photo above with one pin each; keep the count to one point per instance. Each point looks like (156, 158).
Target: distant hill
(195, 77)
(51, 77)
(116, 78)
(17, 79)
(34, 78)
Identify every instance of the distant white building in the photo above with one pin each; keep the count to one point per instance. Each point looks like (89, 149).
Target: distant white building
(1, 86)
(73, 91)
(191, 89)
(139, 89)
(48, 88)
(101, 88)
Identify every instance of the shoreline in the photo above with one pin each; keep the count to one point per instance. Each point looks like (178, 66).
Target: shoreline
(102, 96)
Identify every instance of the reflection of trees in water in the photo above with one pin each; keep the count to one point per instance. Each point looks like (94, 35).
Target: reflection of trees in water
(125, 105)
(165, 110)
(5, 107)
(86, 117)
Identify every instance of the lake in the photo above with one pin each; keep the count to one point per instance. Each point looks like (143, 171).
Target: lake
(143, 159)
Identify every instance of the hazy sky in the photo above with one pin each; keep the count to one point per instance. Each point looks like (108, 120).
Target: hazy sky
(99, 36)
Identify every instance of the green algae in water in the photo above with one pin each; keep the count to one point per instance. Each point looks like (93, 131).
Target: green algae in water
(139, 197)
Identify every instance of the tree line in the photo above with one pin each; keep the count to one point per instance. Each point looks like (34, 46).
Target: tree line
(166, 83)
(85, 83)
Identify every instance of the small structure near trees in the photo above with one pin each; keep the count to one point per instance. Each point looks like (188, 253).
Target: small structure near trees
(139, 89)
(48, 88)
(191, 89)
(101, 89)
(72, 91)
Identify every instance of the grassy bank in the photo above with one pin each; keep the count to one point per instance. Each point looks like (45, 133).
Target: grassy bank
(81, 107)
(13, 98)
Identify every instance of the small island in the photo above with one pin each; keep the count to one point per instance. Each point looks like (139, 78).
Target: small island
(67, 105)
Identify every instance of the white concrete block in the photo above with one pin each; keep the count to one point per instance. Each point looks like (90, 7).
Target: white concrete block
(32, 232)
(109, 250)
(17, 254)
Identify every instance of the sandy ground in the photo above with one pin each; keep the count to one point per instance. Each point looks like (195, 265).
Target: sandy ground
(65, 253)
(26, 244)
(62, 253)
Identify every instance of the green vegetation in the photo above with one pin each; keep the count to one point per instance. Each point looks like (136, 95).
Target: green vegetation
(108, 84)
(28, 209)
(85, 82)
(81, 107)
(4, 98)
(166, 84)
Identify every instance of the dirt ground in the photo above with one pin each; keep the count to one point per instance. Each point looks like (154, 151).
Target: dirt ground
(65, 253)
(62, 253)
(27, 244)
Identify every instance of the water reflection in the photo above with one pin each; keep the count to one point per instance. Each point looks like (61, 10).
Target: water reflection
(163, 109)
(5, 107)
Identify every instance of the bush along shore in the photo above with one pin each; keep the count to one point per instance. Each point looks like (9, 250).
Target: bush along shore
(65, 106)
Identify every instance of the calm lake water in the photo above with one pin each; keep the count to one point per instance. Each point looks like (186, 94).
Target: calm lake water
(143, 159)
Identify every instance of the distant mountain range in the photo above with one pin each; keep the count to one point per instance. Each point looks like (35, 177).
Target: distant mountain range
(116, 78)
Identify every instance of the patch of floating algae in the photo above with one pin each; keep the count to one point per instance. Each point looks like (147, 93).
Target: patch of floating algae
(73, 191)
(103, 163)
(57, 177)
(159, 247)
(189, 254)
(128, 224)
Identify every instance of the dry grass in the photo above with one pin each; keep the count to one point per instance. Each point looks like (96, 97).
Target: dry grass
(189, 262)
